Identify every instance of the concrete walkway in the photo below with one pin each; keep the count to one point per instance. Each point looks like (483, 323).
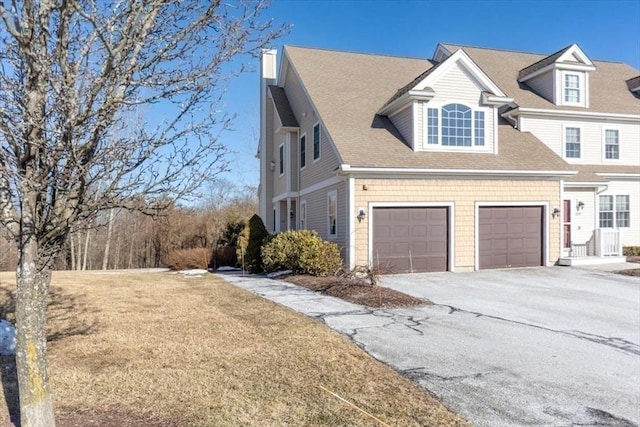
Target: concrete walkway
(492, 370)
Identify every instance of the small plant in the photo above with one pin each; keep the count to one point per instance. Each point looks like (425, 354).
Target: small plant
(631, 251)
(301, 251)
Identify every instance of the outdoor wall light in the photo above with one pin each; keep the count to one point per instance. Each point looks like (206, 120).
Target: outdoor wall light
(555, 212)
(272, 165)
(361, 215)
(580, 205)
(292, 214)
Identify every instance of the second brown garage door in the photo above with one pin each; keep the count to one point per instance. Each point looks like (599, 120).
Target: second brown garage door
(410, 239)
(510, 236)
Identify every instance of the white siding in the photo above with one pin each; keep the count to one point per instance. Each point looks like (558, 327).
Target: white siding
(629, 236)
(403, 121)
(582, 220)
(551, 132)
(458, 84)
(543, 85)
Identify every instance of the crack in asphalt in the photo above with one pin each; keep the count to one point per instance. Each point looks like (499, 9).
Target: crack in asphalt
(422, 373)
(613, 342)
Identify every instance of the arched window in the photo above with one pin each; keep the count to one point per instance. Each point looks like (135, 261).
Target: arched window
(457, 126)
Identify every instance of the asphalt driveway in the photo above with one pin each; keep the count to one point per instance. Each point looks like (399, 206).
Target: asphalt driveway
(543, 346)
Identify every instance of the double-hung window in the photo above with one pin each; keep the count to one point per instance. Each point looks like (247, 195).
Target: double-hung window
(332, 213)
(316, 141)
(455, 125)
(614, 211)
(572, 88)
(303, 151)
(611, 144)
(572, 143)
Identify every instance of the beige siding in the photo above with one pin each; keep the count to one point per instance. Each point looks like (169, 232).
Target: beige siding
(268, 156)
(294, 160)
(551, 132)
(307, 117)
(543, 85)
(463, 194)
(279, 182)
(317, 213)
(403, 121)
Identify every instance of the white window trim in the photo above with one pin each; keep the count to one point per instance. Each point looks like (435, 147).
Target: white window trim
(564, 141)
(604, 145)
(614, 205)
(313, 148)
(439, 147)
(306, 149)
(332, 194)
(282, 160)
(582, 88)
(302, 221)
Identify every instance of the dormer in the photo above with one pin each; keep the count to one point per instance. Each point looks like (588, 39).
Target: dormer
(451, 107)
(634, 85)
(561, 78)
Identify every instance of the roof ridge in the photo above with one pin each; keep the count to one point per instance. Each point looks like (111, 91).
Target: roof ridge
(357, 53)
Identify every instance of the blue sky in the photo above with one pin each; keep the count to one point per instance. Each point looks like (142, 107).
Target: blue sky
(605, 30)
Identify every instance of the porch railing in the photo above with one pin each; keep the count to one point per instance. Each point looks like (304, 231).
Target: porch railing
(608, 242)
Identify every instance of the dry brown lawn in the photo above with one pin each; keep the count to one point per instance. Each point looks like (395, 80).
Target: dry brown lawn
(156, 349)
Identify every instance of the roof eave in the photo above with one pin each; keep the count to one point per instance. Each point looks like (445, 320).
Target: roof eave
(407, 98)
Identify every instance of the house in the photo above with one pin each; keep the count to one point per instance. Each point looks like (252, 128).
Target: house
(477, 158)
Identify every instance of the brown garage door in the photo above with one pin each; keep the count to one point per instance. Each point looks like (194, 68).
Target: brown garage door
(410, 239)
(510, 236)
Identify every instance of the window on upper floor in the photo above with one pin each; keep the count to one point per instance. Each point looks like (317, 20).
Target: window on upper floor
(455, 125)
(611, 144)
(303, 151)
(572, 142)
(572, 88)
(316, 141)
(614, 211)
(281, 159)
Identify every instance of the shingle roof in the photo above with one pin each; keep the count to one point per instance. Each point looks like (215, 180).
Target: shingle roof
(542, 63)
(587, 173)
(280, 100)
(406, 88)
(608, 91)
(348, 88)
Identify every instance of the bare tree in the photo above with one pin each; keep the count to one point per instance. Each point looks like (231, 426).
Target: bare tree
(71, 72)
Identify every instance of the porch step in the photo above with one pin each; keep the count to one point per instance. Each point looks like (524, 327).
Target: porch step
(591, 260)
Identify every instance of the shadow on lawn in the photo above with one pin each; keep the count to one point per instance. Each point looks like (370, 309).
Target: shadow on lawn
(64, 319)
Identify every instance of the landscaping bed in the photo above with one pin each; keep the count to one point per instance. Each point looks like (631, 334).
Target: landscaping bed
(356, 291)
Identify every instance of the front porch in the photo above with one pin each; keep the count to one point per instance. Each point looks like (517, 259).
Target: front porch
(604, 247)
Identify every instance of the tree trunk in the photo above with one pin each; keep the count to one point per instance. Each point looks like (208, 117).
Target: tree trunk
(73, 253)
(86, 250)
(36, 402)
(105, 258)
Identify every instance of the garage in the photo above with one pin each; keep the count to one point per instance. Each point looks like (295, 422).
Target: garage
(410, 239)
(510, 236)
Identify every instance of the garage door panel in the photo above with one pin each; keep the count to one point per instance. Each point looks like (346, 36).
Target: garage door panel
(509, 236)
(414, 239)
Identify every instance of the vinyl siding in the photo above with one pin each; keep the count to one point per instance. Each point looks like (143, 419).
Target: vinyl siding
(279, 182)
(551, 132)
(269, 181)
(629, 236)
(583, 220)
(323, 168)
(543, 85)
(456, 86)
(403, 121)
(463, 194)
(317, 213)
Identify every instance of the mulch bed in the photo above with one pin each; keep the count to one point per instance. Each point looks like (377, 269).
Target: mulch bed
(635, 272)
(357, 291)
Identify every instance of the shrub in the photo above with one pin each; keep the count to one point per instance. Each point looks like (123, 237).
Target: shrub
(631, 251)
(250, 244)
(224, 256)
(301, 251)
(184, 259)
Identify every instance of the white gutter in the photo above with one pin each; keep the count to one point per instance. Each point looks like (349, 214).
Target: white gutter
(347, 169)
(573, 114)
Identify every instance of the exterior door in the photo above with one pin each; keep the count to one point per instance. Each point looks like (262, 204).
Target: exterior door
(567, 223)
(413, 239)
(510, 236)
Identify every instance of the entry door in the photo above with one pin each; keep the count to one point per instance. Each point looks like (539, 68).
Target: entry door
(567, 223)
